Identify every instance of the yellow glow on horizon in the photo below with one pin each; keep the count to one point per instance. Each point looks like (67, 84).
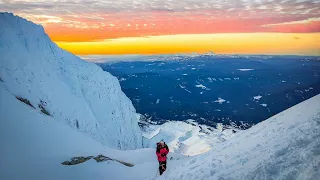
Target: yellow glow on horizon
(227, 43)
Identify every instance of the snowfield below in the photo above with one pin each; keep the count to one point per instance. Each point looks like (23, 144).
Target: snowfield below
(185, 137)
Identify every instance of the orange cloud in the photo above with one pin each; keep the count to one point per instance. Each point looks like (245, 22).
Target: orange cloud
(309, 25)
(163, 23)
(88, 23)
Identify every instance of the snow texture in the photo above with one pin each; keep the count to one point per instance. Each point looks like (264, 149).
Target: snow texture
(187, 138)
(285, 146)
(72, 90)
(34, 145)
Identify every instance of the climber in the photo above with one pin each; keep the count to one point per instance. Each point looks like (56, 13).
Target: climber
(162, 151)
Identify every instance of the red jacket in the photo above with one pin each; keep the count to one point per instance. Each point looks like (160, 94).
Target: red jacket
(162, 153)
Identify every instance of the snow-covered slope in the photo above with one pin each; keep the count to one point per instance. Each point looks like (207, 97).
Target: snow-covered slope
(73, 91)
(33, 146)
(286, 146)
(185, 137)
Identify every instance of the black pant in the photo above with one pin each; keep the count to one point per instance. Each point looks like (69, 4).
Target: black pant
(162, 166)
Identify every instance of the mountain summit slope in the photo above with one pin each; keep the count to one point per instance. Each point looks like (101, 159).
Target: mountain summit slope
(285, 146)
(33, 146)
(61, 85)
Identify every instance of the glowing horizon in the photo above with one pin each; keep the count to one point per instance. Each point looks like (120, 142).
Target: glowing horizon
(235, 43)
(86, 27)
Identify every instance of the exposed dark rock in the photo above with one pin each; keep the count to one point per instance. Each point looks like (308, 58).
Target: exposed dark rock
(125, 163)
(42, 108)
(101, 158)
(77, 160)
(26, 101)
(66, 163)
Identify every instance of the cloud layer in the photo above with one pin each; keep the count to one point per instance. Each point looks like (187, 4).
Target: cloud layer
(111, 6)
(69, 20)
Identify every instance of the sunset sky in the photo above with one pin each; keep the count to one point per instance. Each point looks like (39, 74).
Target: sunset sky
(177, 26)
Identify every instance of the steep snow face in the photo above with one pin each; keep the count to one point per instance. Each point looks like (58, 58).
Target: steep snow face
(286, 146)
(33, 146)
(73, 91)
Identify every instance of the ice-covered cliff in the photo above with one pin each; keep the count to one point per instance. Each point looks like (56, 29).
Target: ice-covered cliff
(63, 86)
(33, 146)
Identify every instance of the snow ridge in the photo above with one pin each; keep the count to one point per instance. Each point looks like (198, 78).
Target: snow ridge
(74, 91)
(285, 146)
(185, 137)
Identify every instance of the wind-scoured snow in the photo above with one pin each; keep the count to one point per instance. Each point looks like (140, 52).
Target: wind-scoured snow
(187, 138)
(285, 146)
(34, 145)
(72, 90)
